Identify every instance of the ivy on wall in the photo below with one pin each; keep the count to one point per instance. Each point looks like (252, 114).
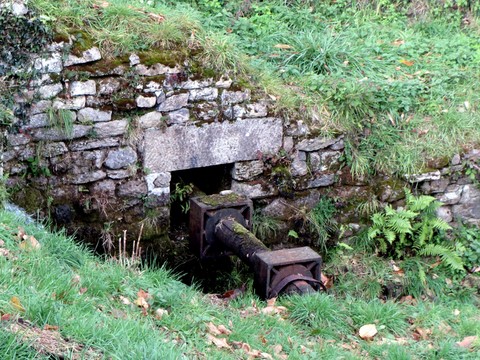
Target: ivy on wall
(21, 36)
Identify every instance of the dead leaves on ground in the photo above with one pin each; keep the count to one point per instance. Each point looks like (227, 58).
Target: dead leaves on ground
(48, 341)
(368, 332)
(217, 335)
(145, 302)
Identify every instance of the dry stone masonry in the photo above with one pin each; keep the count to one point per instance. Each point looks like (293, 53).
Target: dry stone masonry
(101, 138)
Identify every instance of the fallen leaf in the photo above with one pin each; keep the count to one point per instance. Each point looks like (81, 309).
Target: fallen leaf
(218, 342)
(456, 312)
(2, 243)
(15, 301)
(367, 332)
(30, 243)
(398, 42)
(50, 327)
(407, 299)
(467, 341)
(4, 252)
(76, 279)
(423, 333)
(233, 294)
(5, 317)
(124, 300)
(406, 62)
(283, 46)
(141, 302)
(160, 313)
(326, 281)
(212, 329)
(82, 290)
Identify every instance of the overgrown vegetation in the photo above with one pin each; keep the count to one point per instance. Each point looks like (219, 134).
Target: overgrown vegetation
(396, 76)
(48, 283)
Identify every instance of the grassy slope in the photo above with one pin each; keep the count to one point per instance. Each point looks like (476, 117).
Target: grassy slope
(61, 284)
(402, 86)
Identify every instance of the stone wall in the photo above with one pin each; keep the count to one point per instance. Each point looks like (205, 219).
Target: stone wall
(100, 138)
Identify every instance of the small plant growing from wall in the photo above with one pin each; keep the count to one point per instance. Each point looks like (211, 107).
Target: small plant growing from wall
(61, 119)
(181, 194)
(413, 230)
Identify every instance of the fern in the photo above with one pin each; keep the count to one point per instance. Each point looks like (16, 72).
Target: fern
(413, 231)
(448, 255)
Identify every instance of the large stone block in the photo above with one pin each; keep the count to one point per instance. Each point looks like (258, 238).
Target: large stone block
(89, 55)
(185, 147)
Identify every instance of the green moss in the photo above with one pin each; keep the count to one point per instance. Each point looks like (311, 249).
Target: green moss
(168, 58)
(217, 199)
(83, 41)
(240, 230)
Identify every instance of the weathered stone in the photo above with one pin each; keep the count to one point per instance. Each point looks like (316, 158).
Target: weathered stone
(161, 97)
(469, 206)
(174, 102)
(330, 160)
(256, 110)
(88, 87)
(315, 161)
(288, 144)
(456, 160)
(278, 209)
(132, 189)
(178, 117)
(75, 103)
(121, 158)
(29, 153)
(196, 84)
(155, 70)
(119, 174)
(224, 83)
(158, 184)
(207, 111)
(59, 135)
(94, 115)
(17, 8)
(298, 129)
(298, 167)
(88, 177)
(339, 145)
(110, 128)
(53, 64)
(103, 188)
(134, 59)
(17, 140)
(98, 101)
(253, 191)
(434, 187)
(207, 94)
(152, 87)
(151, 120)
(445, 213)
(49, 91)
(235, 97)
(41, 80)
(108, 86)
(94, 144)
(429, 176)
(315, 144)
(234, 112)
(247, 170)
(89, 55)
(146, 101)
(55, 149)
(37, 121)
(40, 107)
(162, 180)
(183, 147)
(320, 180)
(388, 193)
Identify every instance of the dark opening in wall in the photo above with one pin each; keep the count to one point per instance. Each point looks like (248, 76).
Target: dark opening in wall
(195, 182)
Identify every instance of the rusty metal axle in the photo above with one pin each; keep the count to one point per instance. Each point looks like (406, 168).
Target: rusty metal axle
(222, 228)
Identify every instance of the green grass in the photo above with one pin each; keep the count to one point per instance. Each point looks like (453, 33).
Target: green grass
(62, 284)
(398, 79)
